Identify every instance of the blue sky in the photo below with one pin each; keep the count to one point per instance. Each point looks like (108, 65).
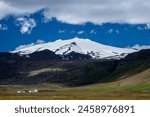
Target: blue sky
(25, 27)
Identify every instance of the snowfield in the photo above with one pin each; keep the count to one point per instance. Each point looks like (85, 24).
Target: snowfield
(79, 45)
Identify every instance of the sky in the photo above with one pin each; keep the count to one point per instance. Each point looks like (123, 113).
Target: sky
(118, 23)
(80, 11)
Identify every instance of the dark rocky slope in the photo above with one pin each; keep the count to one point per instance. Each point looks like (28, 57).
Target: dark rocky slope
(76, 70)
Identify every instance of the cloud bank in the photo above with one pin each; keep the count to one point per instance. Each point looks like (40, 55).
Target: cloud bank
(81, 11)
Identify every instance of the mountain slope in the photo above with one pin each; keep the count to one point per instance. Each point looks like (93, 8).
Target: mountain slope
(77, 45)
(139, 82)
(72, 72)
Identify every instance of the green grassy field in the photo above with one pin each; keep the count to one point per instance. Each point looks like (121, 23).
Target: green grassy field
(133, 87)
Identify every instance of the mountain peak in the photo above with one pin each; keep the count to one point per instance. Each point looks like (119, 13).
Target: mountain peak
(77, 38)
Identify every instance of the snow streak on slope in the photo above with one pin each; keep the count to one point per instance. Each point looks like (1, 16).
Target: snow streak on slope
(138, 47)
(82, 46)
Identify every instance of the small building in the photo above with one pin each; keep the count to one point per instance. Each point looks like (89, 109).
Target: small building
(33, 91)
(21, 91)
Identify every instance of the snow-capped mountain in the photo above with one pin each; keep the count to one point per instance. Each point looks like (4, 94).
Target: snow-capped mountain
(138, 47)
(77, 45)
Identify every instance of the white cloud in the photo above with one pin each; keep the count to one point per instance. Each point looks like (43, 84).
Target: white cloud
(147, 27)
(81, 11)
(93, 31)
(10, 7)
(110, 31)
(39, 41)
(61, 31)
(3, 27)
(81, 32)
(27, 24)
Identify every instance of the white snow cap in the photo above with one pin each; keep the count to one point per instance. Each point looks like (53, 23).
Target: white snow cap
(78, 45)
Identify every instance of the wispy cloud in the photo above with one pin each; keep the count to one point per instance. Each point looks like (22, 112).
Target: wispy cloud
(81, 32)
(61, 31)
(93, 31)
(3, 27)
(110, 31)
(147, 26)
(39, 41)
(26, 24)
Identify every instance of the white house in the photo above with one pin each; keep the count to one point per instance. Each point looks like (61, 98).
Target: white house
(33, 91)
(21, 91)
